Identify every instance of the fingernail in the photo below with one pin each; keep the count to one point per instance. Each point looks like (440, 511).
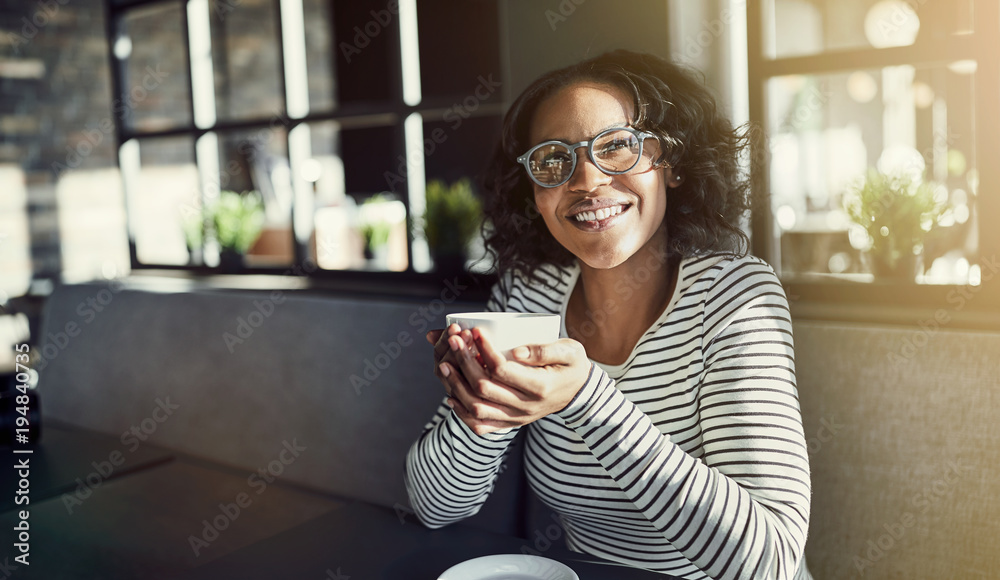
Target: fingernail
(521, 352)
(450, 403)
(453, 344)
(445, 370)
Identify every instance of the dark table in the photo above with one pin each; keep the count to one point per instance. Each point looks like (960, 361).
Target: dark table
(361, 541)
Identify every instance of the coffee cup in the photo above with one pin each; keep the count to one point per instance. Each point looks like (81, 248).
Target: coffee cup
(509, 330)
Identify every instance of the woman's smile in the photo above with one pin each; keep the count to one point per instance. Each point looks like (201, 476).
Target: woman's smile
(599, 215)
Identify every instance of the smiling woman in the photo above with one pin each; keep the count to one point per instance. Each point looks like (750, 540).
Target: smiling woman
(663, 426)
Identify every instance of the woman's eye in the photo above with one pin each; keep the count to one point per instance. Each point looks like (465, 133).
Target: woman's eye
(613, 146)
(555, 159)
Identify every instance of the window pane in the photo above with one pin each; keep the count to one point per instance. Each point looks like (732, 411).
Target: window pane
(828, 131)
(358, 224)
(366, 40)
(803, 27)
(155, 82)
(462, 152)
(15, 242)
(257, 160)
(92, 231)
(245, 59)
(459, 150)
(166, 194)
(447, 30)
(317, 18)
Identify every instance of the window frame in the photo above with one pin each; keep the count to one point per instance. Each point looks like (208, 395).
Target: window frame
(960, 306)
(355, 115)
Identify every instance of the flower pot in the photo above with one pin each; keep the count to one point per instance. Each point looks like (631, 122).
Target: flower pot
(905, 268)
(448, 263)
(231, 262)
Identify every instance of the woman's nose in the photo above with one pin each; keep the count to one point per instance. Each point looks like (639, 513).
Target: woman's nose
(587, 176)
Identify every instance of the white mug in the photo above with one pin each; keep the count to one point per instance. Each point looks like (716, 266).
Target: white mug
(509, 330)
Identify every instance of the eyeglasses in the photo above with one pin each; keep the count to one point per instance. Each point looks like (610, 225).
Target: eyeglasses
(614, 151)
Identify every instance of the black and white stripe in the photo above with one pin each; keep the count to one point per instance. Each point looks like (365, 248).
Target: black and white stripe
(688, 459)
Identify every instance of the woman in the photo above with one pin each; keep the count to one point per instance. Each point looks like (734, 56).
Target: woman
(664, 428)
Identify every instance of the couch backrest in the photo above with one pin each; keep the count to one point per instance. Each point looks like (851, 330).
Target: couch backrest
(904, 448)
(240, 377)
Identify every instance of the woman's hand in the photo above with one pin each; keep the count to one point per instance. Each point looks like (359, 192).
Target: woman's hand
(442, 351)
(489, 392)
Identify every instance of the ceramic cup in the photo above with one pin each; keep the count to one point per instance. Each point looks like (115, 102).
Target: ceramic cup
(508, 330)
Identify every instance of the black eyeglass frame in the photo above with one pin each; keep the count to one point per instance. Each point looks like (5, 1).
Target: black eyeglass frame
(589, 144)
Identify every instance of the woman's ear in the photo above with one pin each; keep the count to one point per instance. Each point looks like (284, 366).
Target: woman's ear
(674, 179)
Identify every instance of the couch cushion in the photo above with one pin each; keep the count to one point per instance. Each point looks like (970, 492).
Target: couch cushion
(245, 378)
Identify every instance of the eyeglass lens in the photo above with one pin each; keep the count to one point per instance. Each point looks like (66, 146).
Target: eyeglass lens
(614, 152)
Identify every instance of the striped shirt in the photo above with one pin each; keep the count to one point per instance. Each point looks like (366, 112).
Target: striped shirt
(688, 459)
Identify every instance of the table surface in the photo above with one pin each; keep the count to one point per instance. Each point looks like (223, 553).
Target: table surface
(362, 541)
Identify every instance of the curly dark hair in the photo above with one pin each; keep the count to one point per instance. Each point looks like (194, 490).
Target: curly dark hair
(696, 139)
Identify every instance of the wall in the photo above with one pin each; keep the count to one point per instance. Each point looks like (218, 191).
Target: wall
(550, 34)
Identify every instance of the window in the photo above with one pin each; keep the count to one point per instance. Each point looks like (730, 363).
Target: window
(335, 113)
(850, 90)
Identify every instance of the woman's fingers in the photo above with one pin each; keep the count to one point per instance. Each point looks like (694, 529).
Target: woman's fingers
(490, 357)
(561, 352)
(538, 369)
(439, 338)
(480, 388)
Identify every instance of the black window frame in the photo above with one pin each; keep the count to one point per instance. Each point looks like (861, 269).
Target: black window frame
(349, 116)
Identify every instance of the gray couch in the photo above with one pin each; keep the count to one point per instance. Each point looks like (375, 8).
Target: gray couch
(239, 376)
(887, 441)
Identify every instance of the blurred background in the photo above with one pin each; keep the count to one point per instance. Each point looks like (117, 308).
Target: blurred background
(226, 151)
(125, 122)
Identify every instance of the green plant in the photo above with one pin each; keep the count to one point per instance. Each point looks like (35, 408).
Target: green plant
(374, 222)
(194, 230)
(452, 217)
(897, 212)
(235, 220)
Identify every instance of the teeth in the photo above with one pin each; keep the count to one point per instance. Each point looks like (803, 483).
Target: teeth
(601, 214)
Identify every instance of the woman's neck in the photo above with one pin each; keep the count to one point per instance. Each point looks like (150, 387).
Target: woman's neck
(610, 309)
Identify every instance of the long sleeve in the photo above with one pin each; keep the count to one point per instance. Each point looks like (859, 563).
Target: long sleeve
(450, 471)
(741, 510)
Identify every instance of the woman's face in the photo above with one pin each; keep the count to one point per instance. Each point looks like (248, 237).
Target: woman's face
(578, 113)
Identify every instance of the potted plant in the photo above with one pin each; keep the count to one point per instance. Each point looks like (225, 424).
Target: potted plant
(377, 215)
(897, 212)
(451, 220)
(234, 221)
